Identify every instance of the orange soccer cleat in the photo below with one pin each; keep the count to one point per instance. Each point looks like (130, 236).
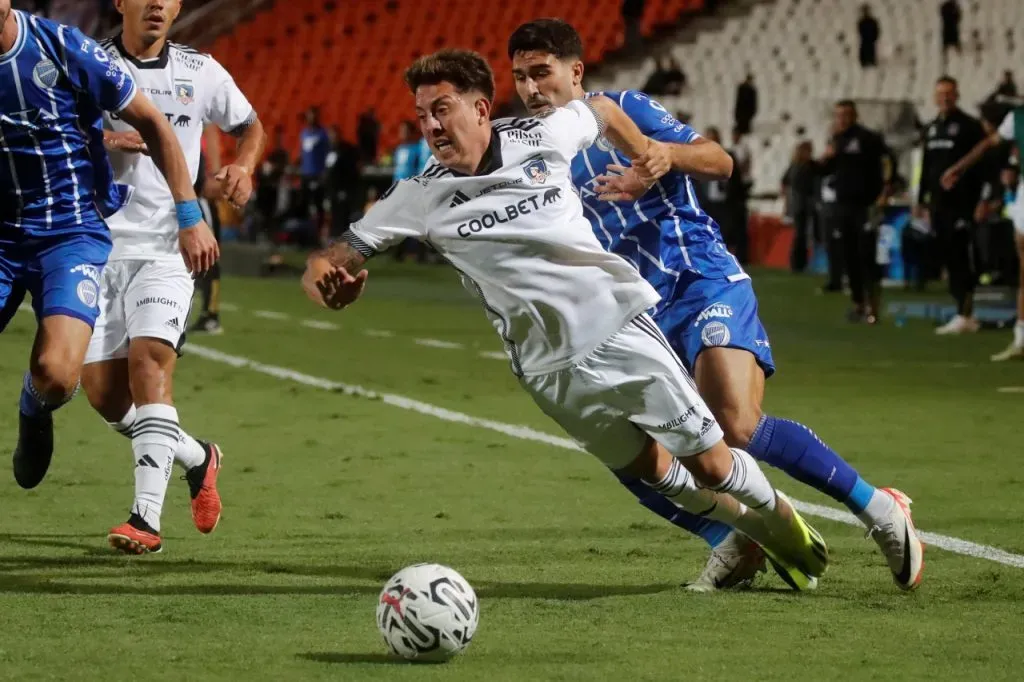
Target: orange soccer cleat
(135, 537)
(202, 486)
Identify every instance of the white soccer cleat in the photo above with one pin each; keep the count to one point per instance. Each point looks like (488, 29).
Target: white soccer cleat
(958, 325)
(733, 564)
(898, 540)
(1014, 351)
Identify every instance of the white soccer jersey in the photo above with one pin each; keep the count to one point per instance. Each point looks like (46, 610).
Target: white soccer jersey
(192, 90)
(517, 235)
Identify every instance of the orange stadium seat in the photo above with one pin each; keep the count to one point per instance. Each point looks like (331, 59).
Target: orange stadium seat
(348, 56)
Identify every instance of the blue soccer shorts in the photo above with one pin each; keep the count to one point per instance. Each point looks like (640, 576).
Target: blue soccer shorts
(62, 273)
(713, 313)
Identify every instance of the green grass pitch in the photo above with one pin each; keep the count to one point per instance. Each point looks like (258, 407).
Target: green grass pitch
(327, 494)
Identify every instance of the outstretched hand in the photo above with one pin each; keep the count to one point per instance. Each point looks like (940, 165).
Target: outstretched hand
(331, 286)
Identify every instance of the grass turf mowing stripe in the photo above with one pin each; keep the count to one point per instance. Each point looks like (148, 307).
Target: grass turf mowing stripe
(951, 544)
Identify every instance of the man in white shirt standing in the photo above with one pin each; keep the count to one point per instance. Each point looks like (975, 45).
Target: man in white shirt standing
(146, 289)
(498, 203)
(1011, 130)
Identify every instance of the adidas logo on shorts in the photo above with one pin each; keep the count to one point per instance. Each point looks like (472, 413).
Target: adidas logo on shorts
(706, 425)
(173, 323)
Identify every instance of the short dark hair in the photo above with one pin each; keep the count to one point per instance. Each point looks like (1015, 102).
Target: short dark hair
(465, 69)
(947, 79)
(553, 36)
(847, 103)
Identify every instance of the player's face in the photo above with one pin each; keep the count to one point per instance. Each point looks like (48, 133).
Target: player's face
(150, 19)
(543, 80)
(454, 124)
(946, 96)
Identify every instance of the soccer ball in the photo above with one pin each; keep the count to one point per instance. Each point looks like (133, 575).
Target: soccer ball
(427, 612)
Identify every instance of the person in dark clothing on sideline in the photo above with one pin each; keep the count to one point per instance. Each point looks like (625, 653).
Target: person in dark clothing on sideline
(949, 137)
(343, 181)
(368, 136)
(632, 14)
(799, 186)
(855, 165)
(746, 104)
(950, 13)
(869, 32)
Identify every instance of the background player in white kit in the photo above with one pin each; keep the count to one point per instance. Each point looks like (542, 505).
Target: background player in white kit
(497, 202)
(147, 288)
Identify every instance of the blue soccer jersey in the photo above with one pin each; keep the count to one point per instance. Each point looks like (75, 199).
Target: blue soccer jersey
(54, 175)
(56, 183)
(706, 299)
(665, 234)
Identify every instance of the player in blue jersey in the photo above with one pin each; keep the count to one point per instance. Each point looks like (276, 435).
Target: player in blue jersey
(56, 186)
(708, 309)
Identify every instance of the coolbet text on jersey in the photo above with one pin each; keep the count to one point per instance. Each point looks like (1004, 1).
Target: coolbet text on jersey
(56, 184)
(518, 237)
(706, 297)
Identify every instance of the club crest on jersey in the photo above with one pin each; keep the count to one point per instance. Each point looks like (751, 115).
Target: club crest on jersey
(184, 92)
(45, 74)
(603, 144)
(88, 293)
(536, 171)
(715, 334)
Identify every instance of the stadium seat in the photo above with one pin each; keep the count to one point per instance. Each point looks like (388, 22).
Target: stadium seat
(803, 54)
(349, 56)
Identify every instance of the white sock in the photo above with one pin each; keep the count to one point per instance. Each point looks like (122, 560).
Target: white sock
(680, 488)
(124, 426)
(1018, 333)
(747, 483)
(878, 510)
(189, 452)
(154, 440)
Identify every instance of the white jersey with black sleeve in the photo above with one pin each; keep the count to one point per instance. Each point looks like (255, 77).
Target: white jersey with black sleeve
(517, 235)
(192, 90)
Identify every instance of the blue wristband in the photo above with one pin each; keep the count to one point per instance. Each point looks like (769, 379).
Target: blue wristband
(189, 214)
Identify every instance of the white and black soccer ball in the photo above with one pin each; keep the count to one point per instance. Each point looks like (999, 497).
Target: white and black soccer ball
(427, 612)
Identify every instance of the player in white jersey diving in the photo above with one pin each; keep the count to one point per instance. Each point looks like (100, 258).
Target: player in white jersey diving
(497, 202)
(708, 309)
(146, 290)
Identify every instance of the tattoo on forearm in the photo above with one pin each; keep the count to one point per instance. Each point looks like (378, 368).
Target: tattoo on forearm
(343, 254)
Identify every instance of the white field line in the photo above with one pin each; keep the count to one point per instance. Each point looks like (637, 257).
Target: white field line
(946, 542)
(318, 324)
(270, 315)
(438, 343)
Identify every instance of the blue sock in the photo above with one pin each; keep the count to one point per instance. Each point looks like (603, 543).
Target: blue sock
(711, 531)
(795, 449)
(32, 402)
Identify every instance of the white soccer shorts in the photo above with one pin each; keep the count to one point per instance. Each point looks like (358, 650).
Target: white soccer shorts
(631, 385)
(140, 299)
